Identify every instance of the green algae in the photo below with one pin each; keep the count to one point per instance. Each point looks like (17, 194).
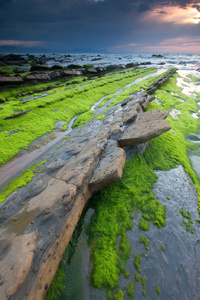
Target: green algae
(189, 221)
(86, 117)
(22, 180)
(57, 285)
(144, 224)
(113, 217)
(165, 152)
(130, 289)
(60, 104)
(157, 290)
(137, 277)
(137, 262)
(193, 78)
(184, 215)
(127, 274)
(106, 99)
(171, 148)
(119, 295)
(144, 84)
(143, 280)
(145, 241)
(163, 247)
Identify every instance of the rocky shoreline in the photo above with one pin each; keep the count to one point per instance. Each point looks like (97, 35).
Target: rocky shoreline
(38, 220)
(38, 72)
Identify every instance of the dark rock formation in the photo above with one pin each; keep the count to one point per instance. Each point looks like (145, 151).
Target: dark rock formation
(141, 132)
(39, 68)
(95, 59)
(110, 168)
(152, 88)
(21, 113)
(13, 59)
(157, 56)
(193, 137)
(7, 80)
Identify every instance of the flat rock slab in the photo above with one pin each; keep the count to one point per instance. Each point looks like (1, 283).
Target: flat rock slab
(109, 170)
(153, 115)
(141, 132)
(21, 113)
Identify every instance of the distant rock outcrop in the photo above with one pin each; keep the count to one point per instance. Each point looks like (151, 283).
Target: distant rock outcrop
(157, 55)
(39, 73)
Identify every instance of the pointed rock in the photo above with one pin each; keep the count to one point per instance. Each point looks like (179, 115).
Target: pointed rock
(153, 115)
(141, 132)
(109, 170)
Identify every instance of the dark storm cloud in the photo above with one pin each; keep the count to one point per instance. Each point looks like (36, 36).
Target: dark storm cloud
(197, 7)
(53, 10)
(78, 22)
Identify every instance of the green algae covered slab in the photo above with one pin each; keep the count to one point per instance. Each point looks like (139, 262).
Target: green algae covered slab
(60, 104)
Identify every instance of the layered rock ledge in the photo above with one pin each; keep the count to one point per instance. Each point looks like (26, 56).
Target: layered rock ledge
(44, 74)
(38, 220)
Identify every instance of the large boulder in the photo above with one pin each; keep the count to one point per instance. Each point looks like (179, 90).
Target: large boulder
(10, 80)
(39, 68)
(109, 170)
(141, 132)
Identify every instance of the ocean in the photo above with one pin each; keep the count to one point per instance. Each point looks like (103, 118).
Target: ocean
(180, 61)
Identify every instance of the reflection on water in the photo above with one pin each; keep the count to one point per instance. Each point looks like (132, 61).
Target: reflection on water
(77, 261)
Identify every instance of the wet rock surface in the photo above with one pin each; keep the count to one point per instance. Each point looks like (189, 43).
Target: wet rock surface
(174, 268)
(49, 207)
(144, 129)
(152, 88)
(172, 262)
(110, 168)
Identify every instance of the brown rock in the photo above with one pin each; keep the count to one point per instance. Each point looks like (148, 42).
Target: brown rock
(78, 167)
(16, 264)
(130, 116)
(42, 76)
(21, 113)
(4, 80)
(147, 101)
(36, 76)
(141, 132)
(70, 72)
(130, 112)
(153, 115)
(29, 77)
(109, 170)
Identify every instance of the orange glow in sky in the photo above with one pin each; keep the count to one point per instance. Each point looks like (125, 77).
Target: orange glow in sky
(175, 14)
(179, 44)
(18, 43)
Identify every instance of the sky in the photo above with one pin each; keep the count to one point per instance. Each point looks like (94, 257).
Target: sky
(101, 25)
